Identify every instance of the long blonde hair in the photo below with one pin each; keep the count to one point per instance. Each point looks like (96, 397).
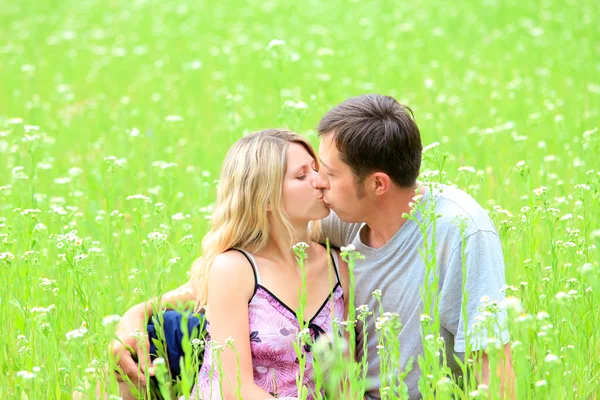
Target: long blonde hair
(250, 184)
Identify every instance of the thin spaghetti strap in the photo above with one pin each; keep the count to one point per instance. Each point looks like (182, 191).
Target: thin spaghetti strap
(253, 264)
(336, 265)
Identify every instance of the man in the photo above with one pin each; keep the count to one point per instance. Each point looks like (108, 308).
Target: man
(370, 154)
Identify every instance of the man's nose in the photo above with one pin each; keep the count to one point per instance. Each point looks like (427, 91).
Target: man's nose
(320, 181)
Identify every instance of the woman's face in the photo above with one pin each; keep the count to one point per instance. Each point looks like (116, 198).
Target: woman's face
(301, 201)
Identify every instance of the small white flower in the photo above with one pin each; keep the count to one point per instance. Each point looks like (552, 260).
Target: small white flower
(81, 257)
(431, 146)
(178, 217)
(513, 303)
(540, 191)
(300, 245)
(583, 186)
(551, 359)
(76, 333)
(62, 180)
(301, 105)
(75, 171)
(363, 308)
(350, 247)
(26, 374)
(173, 118)
(566, 217)
(542, 315)
(467, 168)
(159, 361)
(110, 319)
(157, 237)
(139, 197)
(540, 383)
(275, 43)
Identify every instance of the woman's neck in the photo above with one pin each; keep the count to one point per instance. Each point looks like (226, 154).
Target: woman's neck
(281, 241)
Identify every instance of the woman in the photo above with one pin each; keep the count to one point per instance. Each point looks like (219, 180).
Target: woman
(248, 280)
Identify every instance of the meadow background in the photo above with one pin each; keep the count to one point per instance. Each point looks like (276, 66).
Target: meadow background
(102, 100)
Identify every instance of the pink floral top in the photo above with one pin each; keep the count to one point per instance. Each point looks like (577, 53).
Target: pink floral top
(273, 329)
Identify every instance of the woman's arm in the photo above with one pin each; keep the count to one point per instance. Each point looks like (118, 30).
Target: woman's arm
(230, 287)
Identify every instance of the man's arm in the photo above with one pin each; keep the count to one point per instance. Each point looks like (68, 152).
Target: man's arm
(504, 371)
(483, 266)
(135, 320)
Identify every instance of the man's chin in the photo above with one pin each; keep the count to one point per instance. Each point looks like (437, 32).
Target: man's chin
(345, 217)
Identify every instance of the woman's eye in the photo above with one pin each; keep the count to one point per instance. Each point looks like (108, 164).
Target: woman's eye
(301, 178)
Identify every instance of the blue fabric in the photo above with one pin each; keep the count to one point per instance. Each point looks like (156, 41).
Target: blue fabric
(172, 336)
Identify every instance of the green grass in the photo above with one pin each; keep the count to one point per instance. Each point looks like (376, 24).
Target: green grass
(510, 88)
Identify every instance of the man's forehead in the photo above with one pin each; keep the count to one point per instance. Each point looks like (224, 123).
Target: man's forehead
(329, 154)
(326, 147)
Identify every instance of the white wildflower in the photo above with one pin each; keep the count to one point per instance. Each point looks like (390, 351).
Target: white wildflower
(467, 168)
(275, 43)
(76, 333)
(110, 319)
(431, 146)
(350, 247)
(146, 199)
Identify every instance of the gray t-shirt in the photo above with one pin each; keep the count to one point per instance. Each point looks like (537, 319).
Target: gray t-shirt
(398, 270)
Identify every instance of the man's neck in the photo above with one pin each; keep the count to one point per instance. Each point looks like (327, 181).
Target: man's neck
(383, 224)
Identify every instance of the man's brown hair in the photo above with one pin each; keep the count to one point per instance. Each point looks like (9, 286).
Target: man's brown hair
(375, 133)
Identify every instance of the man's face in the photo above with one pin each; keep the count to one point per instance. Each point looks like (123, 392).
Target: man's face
(341, 190)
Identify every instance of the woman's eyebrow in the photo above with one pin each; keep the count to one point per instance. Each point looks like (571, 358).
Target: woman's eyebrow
(300, 168)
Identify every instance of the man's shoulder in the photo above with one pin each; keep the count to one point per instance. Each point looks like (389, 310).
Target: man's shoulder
(455, 207)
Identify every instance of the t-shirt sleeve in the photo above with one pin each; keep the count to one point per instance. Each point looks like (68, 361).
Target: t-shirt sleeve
(339, 233)
(484, 282)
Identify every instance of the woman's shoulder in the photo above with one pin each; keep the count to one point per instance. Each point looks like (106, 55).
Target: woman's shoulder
(232, 267)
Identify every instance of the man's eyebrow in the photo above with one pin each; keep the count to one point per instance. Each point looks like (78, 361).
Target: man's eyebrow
(323, 163)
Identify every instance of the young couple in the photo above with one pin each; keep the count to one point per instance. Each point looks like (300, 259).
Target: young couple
(272, 192)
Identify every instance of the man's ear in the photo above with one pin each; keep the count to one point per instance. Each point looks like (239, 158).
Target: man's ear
(381, 183)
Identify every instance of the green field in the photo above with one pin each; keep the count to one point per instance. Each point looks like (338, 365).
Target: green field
(101, 100)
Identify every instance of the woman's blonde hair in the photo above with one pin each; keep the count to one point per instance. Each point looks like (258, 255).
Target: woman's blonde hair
(250, 184)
